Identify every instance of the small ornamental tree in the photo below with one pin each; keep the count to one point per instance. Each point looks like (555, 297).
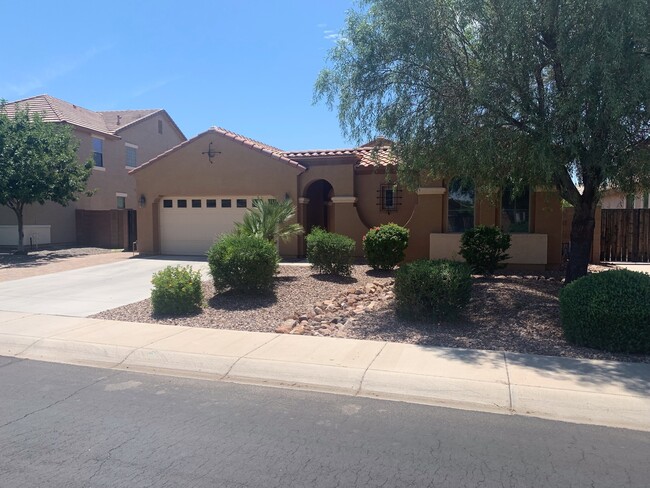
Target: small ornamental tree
(38, 163)
(270, 220)
(484, 247)
(504, 92)
(385, 246)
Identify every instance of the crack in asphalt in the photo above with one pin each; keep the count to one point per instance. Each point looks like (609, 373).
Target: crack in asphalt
(53, 404)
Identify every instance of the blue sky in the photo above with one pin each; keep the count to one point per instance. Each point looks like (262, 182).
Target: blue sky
(245, 65)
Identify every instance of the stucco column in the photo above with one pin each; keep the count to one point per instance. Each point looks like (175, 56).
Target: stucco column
(427, 218)
(548, 220)
(346, 220)
(302, 220)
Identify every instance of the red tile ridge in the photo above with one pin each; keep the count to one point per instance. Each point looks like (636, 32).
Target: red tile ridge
(252, 143)
(258, 146)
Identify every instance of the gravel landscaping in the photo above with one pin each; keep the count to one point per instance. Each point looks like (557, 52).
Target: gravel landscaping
(507, 313)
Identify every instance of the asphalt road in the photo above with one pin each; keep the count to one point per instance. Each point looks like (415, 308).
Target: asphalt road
(68, 426)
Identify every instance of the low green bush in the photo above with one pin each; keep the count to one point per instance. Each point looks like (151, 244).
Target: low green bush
(330, 253)
(484, 247)
(432, 290)
(176, 291)
(385, 246)
(243, 263)
(608, 311)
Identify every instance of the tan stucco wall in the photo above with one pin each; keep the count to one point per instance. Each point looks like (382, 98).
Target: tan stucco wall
(114, 178)
(237, 170)
(340, 176)
(547, 219)
(367, 187)
(524, 248)
(612, 199)
(60, 219)
(426, 218)
(542, 246)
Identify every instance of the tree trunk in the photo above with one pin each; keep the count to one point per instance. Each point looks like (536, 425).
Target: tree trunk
(21, 234)
(582, 236)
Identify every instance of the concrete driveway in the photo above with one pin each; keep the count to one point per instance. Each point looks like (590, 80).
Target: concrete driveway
(87, 291)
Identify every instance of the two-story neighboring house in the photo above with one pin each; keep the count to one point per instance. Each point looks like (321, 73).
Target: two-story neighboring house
(117, 142)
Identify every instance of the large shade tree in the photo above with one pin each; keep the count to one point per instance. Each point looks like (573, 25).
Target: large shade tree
(505, 92)
(38, 163)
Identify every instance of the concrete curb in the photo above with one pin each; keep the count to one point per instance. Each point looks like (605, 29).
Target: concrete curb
(592, 392)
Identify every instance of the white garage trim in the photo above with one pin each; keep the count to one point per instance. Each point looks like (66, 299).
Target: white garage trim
(189, 225)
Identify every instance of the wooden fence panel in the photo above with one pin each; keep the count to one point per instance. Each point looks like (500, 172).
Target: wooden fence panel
(625, 235)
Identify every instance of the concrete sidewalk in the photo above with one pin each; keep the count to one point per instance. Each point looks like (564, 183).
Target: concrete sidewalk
(593, 392)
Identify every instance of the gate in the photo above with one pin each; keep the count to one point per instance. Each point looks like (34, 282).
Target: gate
(132, 230)
(625, 235)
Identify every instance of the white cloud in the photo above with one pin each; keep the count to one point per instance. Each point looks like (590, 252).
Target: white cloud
(334, 36)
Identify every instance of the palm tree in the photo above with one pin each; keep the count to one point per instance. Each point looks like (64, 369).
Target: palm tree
(270, 220)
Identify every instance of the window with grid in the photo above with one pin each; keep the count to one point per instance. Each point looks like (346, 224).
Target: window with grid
(460, 209)
(515, 210)
(98, 152)
(388, 198)
(131, 157)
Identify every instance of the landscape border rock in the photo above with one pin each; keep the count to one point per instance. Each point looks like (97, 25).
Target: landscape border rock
(330, 317)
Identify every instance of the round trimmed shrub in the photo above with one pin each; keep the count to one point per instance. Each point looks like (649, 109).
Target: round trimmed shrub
(385, 246)
(484, 247)
(243, 263)
(330, 253)
(176, 291)
(432, 290)
(608, 311)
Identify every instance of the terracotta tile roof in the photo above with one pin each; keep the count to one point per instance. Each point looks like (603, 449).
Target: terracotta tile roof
(56, 110)
(248, 141)
(371, 157)
(126, 117)
(366, 156)
(274, 152)
(321, 153)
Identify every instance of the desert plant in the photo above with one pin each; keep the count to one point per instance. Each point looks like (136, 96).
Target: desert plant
(176, 291)
(384, 246)
(432, 290)
(484, 247)
(270, 220)
(330, 253)
(608, 311)
(243, 263)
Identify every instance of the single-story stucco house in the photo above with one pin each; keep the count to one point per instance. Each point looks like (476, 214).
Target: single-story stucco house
(198, 189)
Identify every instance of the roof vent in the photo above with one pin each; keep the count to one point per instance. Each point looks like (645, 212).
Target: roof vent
(119, 117)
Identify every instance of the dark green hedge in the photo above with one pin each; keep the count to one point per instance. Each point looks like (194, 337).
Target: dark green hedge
(608, 311)
(243, 263)
(330, 253)
(432, 290)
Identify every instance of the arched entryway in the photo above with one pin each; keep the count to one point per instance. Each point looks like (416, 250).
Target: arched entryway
(319, 195)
